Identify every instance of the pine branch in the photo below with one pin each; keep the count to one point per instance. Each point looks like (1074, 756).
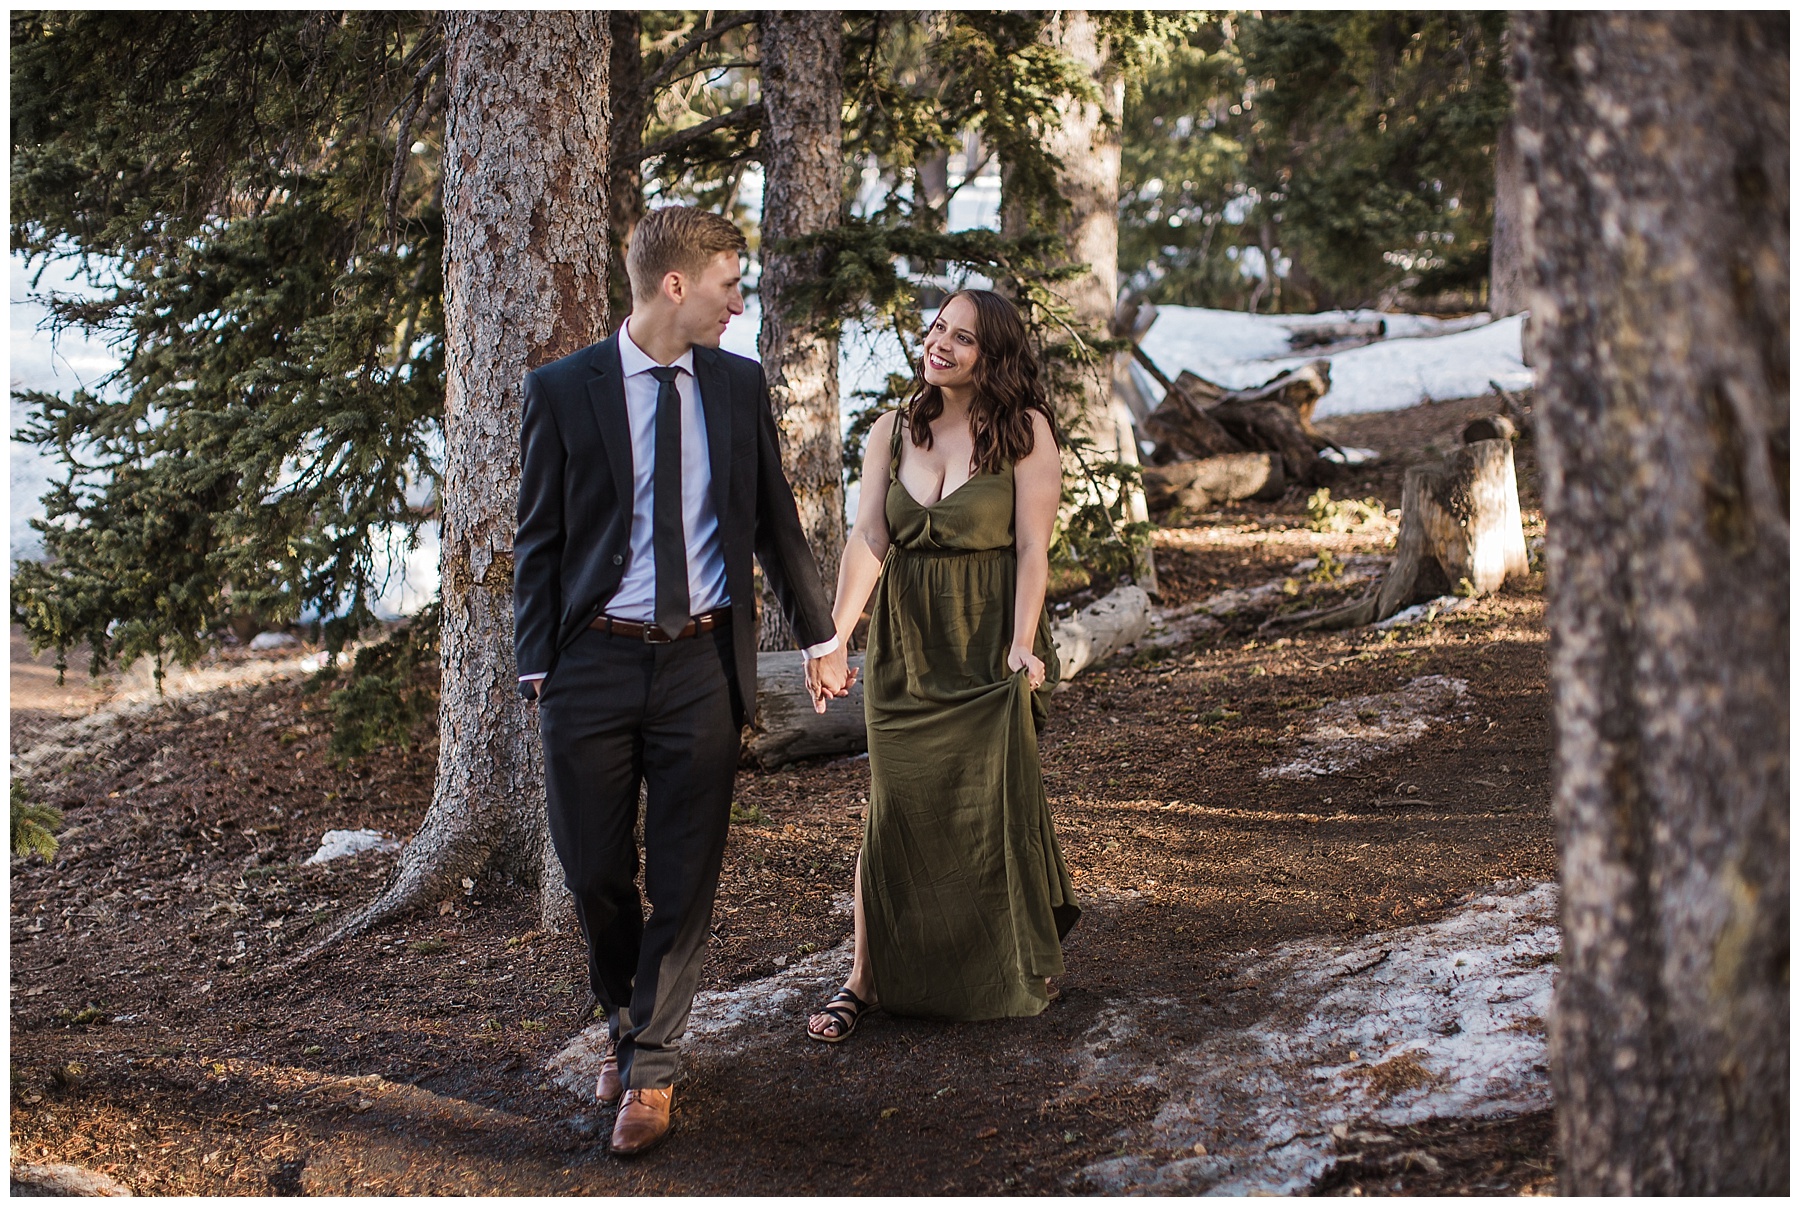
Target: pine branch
(747, 115)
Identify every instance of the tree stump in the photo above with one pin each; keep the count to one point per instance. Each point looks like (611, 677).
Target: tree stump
(1460, 532)
(1198, 419)
(1268, 423)
(1180, 424)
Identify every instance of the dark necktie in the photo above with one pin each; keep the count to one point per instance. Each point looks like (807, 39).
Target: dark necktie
(668, 538)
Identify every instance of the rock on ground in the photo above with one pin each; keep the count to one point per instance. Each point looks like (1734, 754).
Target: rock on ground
(63, 1181)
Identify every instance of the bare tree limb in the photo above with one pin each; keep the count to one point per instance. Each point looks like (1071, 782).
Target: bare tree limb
(403, 143)
(666, 72)
(703, 68)
(747, 115)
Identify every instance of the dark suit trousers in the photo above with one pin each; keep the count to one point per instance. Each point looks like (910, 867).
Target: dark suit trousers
(617, 712)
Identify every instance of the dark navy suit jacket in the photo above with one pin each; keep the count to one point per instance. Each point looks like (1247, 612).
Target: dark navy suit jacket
(575, 496)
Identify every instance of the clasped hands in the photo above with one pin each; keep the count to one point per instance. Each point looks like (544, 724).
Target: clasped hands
(830, 677)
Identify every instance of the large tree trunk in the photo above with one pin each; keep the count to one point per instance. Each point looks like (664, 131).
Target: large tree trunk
(1086, 142)
(525, 209)
(803, 163)
(1655, 149)
(1506, 259)
(629, 110)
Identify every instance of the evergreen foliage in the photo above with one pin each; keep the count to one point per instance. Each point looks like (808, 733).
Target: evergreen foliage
(241, 189)
(391, 692)
(33, 824)
(1357, 146)
(243, 192)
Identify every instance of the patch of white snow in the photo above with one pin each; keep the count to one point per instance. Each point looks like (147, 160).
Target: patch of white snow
(1422, 358)
(724, 1021)
(1460, 1002)
(1346, 732)
(1424, 613)
(338, 843)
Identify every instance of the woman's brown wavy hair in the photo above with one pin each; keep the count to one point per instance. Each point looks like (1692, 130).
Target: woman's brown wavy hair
(1006, 387)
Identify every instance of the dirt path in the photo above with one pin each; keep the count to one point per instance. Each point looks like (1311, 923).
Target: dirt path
(152, 1044)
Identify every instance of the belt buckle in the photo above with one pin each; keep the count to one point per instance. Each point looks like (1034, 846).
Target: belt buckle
(650, 635)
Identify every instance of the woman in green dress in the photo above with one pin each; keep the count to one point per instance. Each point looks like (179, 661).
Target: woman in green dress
(962, 896)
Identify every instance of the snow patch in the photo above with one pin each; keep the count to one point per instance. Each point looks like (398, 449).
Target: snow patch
(724, 1021)
(339, 843)
(1443, 1020)
(1422, 358)
(1346, 732)
(1424, 613)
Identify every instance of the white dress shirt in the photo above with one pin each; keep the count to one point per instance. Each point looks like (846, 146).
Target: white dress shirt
(635, 598)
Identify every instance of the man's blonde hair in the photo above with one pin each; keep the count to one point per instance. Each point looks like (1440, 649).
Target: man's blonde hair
(677, 238)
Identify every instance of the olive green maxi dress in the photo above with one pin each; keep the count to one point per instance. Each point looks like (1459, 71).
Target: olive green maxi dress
(965, 893)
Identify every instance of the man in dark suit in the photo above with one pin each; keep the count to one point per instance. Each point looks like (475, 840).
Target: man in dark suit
(650, 472)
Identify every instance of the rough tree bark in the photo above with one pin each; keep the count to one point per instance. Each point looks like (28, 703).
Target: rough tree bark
(803, 165)
(629, 108)
(1086, 144)
(525, 208)
(1655, 150)
(1506, 261)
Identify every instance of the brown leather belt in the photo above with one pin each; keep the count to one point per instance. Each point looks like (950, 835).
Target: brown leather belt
(706, 622)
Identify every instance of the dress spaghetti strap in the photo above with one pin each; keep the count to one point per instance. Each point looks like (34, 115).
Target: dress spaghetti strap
(894, 446)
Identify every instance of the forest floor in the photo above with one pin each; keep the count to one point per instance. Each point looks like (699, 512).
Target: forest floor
(156, 1043)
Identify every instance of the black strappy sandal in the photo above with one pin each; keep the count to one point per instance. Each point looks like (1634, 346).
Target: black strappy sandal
(846, 1010)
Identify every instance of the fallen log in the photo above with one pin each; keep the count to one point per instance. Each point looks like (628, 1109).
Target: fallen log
(1180, 425)
(787, 728)
(1196, 485)
(1117, 618)
(1275, 426)
(1460, 533)
(1318, 335)
(1299, 389)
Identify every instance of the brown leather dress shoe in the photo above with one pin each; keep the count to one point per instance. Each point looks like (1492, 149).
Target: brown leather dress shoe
(643, 1121)
(610, 1087)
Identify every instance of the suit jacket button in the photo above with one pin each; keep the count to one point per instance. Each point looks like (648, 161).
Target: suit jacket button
(618, 559)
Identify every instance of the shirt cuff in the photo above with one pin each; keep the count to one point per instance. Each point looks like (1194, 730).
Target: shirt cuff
(529, 678)
(813, 652)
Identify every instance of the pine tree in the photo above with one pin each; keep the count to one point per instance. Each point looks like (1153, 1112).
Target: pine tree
(254, 195)
(525, 200)
(1357, 148)
(1655, 149)
(803, 195)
